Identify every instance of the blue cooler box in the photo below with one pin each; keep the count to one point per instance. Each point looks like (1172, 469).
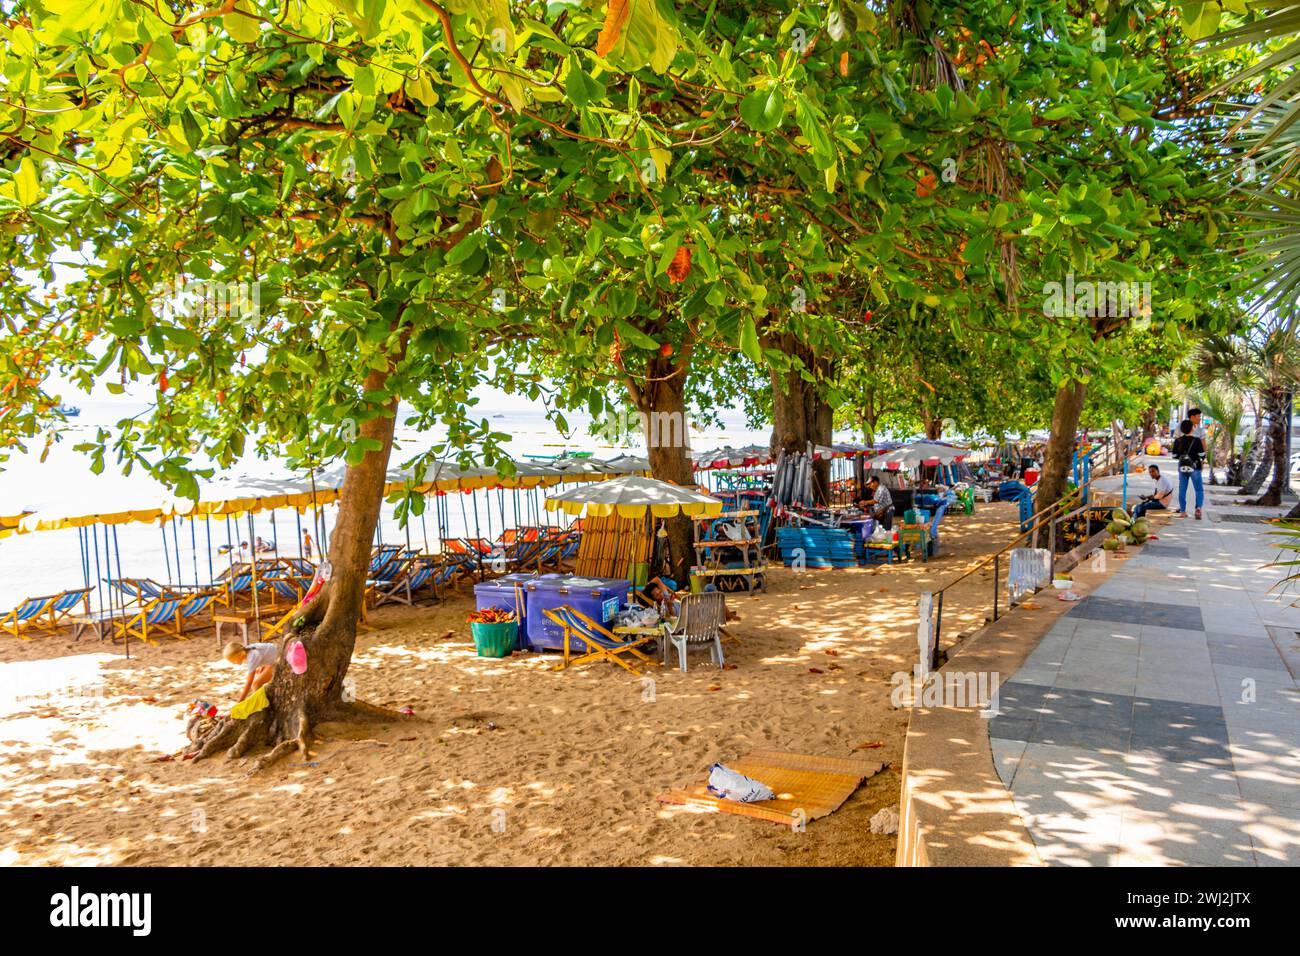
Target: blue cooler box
(500, 592)
(598, 598)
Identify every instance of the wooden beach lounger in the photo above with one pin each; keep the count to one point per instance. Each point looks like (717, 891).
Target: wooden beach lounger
(45, 612)
(167, 615)
(21, 617)
(419, 573)
(601, 644)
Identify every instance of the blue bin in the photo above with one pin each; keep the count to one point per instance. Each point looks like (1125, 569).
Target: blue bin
(500, 592)
(598, 598)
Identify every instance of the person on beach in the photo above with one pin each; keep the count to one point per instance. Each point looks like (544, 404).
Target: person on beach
(879, 507)
(258, 659)
(1159, 499)
(1189, 452)
(306, 545)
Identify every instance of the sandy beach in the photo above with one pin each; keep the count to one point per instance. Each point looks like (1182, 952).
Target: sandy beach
(505, 762)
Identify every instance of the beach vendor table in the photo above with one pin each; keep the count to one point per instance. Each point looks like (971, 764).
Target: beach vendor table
(98, 621)
(237, 618)
(659, 630)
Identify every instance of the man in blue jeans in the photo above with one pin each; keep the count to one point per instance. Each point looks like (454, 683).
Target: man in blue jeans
(1158, 500)
(1189, 452)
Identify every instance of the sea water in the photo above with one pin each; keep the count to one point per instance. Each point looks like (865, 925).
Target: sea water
(46, 562)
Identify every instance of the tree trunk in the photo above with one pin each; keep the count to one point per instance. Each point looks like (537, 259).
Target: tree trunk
(661, 400)
(1149, 424)
(1060, 446)
(800, 413)
(1275, 403)
(299, 701)
(1262, 465)
(933, 428)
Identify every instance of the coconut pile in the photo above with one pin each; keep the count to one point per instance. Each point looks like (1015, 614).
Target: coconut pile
(1125, 531)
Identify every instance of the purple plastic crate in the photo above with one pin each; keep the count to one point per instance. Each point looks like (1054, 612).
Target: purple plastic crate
(598, 598)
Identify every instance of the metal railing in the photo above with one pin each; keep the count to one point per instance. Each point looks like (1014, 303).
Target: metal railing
(1043, 524)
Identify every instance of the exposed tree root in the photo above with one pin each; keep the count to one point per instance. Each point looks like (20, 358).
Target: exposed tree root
(358, 711)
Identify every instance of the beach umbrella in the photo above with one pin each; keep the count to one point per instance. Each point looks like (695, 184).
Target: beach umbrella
(918, 453)
(632, 496)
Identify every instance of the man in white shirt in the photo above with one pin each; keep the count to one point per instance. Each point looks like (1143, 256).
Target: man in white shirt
(1198, 425)
(1157, 500)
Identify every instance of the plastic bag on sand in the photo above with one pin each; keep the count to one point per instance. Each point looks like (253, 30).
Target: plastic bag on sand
(885, 820)
(729, 785)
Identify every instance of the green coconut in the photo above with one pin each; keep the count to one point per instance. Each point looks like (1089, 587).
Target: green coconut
(1117, 527)
(1110, 544)
(1125, 538)
(1142, 526)
(1119, 514)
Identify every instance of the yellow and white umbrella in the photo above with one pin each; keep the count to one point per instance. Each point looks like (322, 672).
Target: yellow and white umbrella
(631, 497)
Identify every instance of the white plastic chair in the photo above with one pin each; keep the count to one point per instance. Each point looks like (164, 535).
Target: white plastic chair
(700, 619)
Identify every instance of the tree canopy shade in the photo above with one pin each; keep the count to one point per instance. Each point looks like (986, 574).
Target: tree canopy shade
(290, 216)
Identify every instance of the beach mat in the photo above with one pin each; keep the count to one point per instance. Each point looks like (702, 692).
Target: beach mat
(816, 785)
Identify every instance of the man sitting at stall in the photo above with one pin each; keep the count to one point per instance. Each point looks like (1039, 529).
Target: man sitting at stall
(879, 507)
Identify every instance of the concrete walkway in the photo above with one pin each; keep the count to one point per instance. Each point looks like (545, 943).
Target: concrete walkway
(1158, 722)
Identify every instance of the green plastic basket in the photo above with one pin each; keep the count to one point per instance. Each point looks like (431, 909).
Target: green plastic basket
(495, 640)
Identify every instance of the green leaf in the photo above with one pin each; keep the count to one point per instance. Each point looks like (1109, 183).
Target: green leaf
(749, 340)
(27, 183)
(763, 109)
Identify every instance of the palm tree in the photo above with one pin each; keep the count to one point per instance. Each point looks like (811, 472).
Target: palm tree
(1266, 359)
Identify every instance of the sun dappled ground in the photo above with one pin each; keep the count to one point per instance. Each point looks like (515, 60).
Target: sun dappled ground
(506, 762)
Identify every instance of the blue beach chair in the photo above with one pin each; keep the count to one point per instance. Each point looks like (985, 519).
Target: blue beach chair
(20, 618)
(599, 643)
(417, 573)
(157, 614)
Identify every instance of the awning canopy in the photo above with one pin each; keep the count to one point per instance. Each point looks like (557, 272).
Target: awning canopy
(919, 453)
(631, 497)
(240, 494)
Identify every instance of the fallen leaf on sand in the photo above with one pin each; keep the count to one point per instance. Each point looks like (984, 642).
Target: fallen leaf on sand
(883, 590)
(834, 667)
(729, 667)
(869, 745)
(831, 653)
(1030, 607)
(815, 670)
(715, 687)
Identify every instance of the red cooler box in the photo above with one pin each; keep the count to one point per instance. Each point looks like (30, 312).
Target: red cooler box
(598, 598)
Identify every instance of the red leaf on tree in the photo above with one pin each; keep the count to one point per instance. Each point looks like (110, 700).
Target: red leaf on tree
(680, 267)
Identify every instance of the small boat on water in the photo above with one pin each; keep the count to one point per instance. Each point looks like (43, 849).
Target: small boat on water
(68, 411)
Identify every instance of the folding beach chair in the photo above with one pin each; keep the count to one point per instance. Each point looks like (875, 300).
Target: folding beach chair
(192, 607)
(380, 557)
(601, 644)
(418, 573)
(300, 567)
(289, 588)
(157, 614)
(22, 616)
(239, 585)
(64, 604)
